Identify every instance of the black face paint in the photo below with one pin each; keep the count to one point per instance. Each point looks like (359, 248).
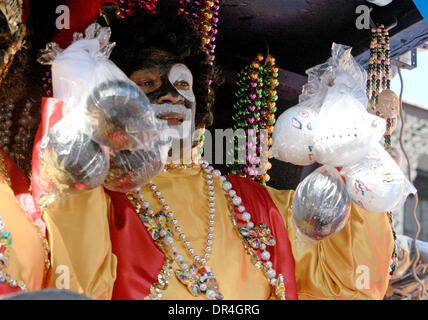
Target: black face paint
(157, 64)
(165, 89)
(162, 62)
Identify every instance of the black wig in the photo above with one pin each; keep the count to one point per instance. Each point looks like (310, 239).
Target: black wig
(175, 34)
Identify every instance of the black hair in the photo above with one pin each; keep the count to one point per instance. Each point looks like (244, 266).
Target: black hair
(176, 34)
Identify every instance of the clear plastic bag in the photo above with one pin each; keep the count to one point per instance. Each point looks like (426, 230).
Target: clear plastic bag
(70, 160)
(376, 183)
(321, 205)
(72, 72)
(340, 70)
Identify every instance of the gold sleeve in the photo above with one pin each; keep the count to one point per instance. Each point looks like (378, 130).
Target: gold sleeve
(25, 257)
(79, 238)
(351, 264)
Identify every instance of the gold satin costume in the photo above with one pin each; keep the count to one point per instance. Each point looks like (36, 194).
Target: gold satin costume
(79, 238)
(26, 254)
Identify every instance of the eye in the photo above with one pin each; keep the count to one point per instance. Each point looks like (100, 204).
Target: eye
(146, 83)
(182, 85)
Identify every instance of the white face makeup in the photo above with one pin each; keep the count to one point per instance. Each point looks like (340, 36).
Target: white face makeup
(182, 80)
(182, 115)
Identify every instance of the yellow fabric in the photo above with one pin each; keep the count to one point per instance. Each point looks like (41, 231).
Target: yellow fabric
(186, 193)
(79, 237)
(334, 268)
(26, 257)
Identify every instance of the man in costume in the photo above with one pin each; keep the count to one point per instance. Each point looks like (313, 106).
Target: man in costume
(192, 233)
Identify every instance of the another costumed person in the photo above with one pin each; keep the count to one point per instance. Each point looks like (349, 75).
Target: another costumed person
(190, 232)
(24, 257)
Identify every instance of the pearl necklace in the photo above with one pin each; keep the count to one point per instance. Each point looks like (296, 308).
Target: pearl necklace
(254, 237)
(208, 282)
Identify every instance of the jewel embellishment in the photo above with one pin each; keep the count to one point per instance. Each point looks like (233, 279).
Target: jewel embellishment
(258, 235)
(156, 224)
(190, 278)
(5, 243)
(280, 288)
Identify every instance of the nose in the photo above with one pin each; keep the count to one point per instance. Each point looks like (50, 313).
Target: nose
(170, 98)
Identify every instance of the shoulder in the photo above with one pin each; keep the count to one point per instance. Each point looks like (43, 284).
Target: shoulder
(249, 188)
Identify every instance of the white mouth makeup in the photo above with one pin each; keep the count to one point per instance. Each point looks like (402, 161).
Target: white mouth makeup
(179, 72)
(179, 119)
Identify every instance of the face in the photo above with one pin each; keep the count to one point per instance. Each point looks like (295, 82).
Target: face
(168, 84)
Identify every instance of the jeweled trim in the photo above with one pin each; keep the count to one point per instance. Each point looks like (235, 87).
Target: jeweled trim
(157, 288)
(5, 244)
(8, 279)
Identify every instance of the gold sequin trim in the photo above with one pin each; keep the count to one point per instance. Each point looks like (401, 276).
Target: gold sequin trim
(156, 290)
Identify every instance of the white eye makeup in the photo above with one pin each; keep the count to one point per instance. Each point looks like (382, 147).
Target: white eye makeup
(181, 78)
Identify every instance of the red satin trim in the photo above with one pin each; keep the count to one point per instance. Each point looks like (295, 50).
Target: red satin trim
(257, 201)
(6, 289)
(19, 181)
(139, 260)
(51, 114)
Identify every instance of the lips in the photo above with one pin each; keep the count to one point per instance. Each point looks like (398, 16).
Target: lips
(173, 118)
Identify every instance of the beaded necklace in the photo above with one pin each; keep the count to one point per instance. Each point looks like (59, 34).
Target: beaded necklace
(383, 103)
(205, 13)
(198, 277)
(255, 112)
(127, 7)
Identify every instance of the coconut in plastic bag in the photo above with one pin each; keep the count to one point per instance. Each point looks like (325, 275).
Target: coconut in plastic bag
(344, 132)
(103, 111)
(376, 183)
(293, 135)
(321, 205)
(130, 170)
(70, 160)
(120, 113)
(330, 125)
